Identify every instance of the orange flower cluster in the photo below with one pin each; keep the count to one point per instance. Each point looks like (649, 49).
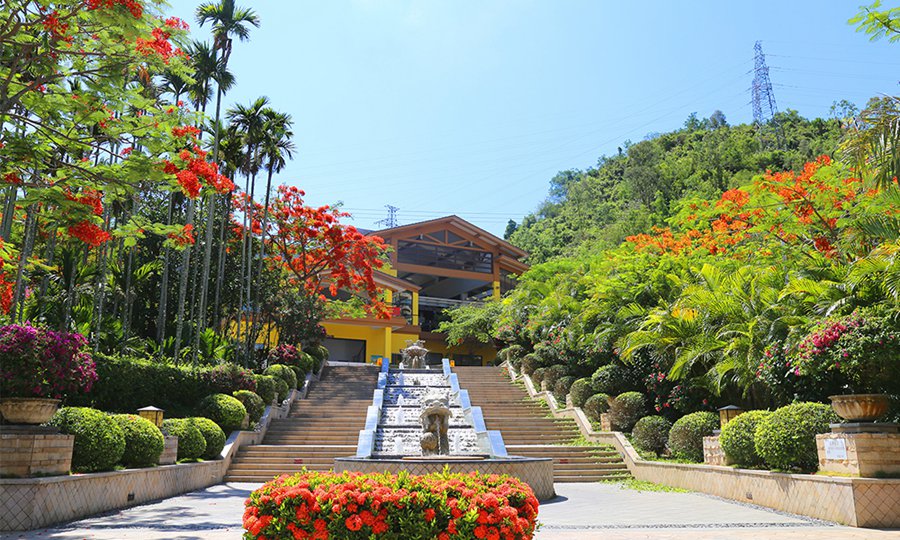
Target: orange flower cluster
(192, 170)
(133, 6)
(351, 505)
(184, 237)
(159, 44)
(89, 197)
(88, 233)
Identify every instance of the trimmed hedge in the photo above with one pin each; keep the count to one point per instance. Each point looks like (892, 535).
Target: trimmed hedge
(226, 411)
(581, 390)
(282, 390)
(625, 410)
(252, 402)
(352, 506)
(530, 362)
(686, 435)
(99, 440)
(512, 354)
(266, 388)
(651, 434)
(284, 373)
(537, 376)
(595, 406)
(561, 389)
(212, 434)
(611, 379)
(786, 439)
(144, 441)
(738, 438)
(191, 443)
(553, 374)
(228, 378)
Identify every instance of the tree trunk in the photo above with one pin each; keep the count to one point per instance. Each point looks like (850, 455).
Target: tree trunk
(18, 302)
(220, 263)
(164, 286)
(182, 288)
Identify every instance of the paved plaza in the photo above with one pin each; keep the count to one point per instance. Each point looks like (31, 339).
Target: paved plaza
(580, 511)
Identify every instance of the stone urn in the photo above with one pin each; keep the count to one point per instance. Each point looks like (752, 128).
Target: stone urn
(860, 407)
(19, 410)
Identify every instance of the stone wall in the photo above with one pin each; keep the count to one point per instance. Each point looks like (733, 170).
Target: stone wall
(864, 454)
(859, 502)
(35, 454)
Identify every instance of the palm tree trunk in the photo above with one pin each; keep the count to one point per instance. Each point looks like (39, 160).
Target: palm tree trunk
(182, 288)
(262, 242)
(18, 302)
(220, 263)
(100, 287)
(164, 285)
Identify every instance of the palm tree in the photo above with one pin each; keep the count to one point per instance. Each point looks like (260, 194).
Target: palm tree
(276, 148)
(227, 20)
(232, 158)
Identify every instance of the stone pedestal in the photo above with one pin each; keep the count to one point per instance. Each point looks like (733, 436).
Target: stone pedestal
(605, 424)
(712, 451)
(34, 451)
(170, 451)
(865, 454)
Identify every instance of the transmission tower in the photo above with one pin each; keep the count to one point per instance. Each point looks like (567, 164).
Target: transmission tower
(764, 107)
(391, 220)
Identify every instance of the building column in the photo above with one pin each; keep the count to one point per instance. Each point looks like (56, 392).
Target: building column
(388, 343)
(496, 285)
(415, 308)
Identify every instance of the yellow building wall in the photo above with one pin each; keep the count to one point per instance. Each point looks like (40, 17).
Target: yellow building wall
(375, 338)
(487, 352)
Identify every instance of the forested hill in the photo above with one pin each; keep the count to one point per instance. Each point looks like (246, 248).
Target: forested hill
(640, 187)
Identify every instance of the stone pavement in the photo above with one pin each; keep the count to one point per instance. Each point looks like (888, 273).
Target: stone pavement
(581, 511)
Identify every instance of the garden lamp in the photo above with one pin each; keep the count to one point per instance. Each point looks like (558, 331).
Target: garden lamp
(153, 414)
(728, 413)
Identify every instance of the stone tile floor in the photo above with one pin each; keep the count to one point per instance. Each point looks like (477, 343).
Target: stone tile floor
(580, 511)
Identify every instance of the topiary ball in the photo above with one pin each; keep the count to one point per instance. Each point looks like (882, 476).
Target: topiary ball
(265, 387)
(99, 441)
(224, 410)
(610, 379)
(253, 403)
(625, 410)
(284, 373)
(212, 434)
(580, 391)
(144, 441)
(786, 439)
(738, 438)
(537, 376)
(191, 443)
(595, 406)
(686, 435)
(553, 374)
(651, 433)
(281, 390)
(530, 362)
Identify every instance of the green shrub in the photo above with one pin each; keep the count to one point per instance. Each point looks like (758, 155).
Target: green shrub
(537, 376)
(99, 441)
(226, 411)
(265, 387)
(651, 433)
(581, 390)
(283, 372)
(553, 374)
(611, 379)
(191, 443)
(561, 389)
(625, 410)
(686, 435)
(253, 403)
(530, 362)
(596, 405)
(738, 438)
(143, 440)
(281, 389)
(212, 434)
(786, 439)
(513, 354)
(228, 378)
(299, 374)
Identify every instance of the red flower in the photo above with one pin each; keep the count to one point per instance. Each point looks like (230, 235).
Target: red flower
(354, 523)
(88, 233)
(429, 514)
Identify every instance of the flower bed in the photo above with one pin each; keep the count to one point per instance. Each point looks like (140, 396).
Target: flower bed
(355, 506)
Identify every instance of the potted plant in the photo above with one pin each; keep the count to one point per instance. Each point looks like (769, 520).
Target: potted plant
(861, 351)
(37, 368)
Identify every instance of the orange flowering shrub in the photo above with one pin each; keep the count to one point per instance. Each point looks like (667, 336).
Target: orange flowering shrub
(440, 506)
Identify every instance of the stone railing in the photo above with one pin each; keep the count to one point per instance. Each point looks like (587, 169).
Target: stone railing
(859, 502)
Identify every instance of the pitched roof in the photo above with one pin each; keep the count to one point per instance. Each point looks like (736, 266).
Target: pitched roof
(460, 223)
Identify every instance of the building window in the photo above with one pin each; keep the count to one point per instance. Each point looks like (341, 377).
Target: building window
(445, 257)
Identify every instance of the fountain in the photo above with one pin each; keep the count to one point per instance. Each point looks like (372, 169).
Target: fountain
(421, 421)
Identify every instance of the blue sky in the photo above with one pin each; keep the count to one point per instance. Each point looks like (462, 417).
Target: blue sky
(469, 107)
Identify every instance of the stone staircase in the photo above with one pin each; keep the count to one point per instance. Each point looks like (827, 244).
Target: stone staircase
(528, 428)
(318, 429)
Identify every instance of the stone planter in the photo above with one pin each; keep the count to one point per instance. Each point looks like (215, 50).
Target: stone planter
(17, 410)
(170, 451)
(860, 407)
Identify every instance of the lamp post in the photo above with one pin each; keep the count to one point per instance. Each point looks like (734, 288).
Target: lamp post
(728, 413)
(153, 414)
